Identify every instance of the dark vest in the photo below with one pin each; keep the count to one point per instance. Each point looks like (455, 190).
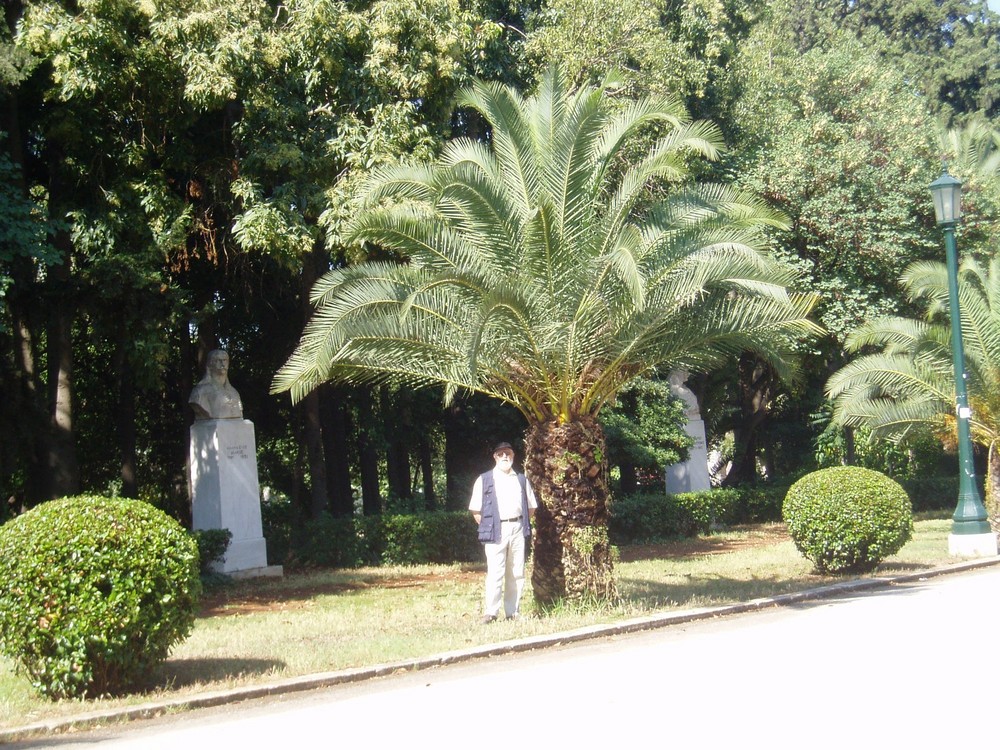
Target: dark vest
(489, 523)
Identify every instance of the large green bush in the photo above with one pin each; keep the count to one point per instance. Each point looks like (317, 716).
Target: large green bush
(847, 519)
(95, 591)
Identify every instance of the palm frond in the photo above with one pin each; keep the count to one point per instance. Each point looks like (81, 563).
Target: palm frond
(529, 272)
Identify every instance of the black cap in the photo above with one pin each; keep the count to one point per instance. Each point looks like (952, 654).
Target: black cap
(501, 446)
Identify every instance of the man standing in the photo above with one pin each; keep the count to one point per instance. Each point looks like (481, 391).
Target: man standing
(503, 504)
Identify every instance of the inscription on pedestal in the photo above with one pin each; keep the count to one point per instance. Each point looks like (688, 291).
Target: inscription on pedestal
(237, 451)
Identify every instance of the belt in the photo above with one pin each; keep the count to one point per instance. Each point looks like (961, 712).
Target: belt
(511, 520)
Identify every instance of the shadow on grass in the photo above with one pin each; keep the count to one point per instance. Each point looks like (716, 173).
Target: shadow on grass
(701, 591)
(299, 588)
(179, 673)
(709, 591)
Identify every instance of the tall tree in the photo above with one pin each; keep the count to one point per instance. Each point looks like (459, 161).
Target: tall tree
(948, 49)
(536, 274)
(660, 46)
(841, 143)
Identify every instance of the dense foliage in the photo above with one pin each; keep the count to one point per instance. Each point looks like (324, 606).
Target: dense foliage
(847, 519)
(96, 591)
(644, 429)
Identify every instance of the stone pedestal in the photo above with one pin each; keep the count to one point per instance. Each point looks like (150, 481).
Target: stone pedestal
(972, 545)
(691, 475)
(225, 490)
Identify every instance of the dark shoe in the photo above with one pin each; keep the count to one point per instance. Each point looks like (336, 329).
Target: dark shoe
(514, 616)
(487, 619)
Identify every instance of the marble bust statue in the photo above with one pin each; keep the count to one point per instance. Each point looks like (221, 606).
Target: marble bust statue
(213, 397)
(678, 387)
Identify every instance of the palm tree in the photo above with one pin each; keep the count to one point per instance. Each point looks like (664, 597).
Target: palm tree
(972, 149)
(910, 382)
(539, 271)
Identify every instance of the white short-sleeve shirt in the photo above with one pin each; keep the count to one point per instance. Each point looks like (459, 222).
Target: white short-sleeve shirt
(508, 490)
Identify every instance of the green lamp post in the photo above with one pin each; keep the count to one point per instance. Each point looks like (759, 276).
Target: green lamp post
(970, 531)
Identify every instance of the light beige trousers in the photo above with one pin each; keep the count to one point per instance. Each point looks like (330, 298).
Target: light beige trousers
(505, 570)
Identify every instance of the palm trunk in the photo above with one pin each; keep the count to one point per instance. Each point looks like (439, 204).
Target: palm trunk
(993, 488)
(567, 466)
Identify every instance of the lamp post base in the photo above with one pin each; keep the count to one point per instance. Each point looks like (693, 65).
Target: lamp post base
(972, 545)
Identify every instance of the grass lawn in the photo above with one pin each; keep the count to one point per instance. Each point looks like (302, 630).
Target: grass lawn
(257, 631)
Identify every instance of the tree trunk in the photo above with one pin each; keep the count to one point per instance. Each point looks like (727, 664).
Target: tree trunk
(993, 487)
(313, 435)
(125, 417)
(850, 455)
(756, 384)
(629, 482)
(427, 472)
(371, 498)
(29, 405)
(314, 265)
(397, 461)
(64, 475)
(396, 411)
(338, 465)
(567, 466)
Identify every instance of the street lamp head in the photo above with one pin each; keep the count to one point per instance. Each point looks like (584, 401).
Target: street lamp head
(947, 193)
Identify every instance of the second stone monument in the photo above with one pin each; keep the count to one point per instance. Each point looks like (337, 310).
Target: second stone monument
(691, 475)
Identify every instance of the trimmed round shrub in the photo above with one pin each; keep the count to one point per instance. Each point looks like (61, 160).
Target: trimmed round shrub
(95, 592)
(847, 519)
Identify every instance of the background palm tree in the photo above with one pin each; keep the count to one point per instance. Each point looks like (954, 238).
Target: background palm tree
(910, 382)
(538, 270)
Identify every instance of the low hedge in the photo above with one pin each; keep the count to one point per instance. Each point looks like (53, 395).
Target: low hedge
(212, 546)
(424, 538)
(932, 493)
(651, 516)
(760, 503)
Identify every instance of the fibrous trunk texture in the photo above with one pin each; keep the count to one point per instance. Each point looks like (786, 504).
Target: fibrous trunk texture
(567, 466)
(993, 488)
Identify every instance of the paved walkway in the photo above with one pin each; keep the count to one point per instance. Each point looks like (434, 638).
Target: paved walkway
(860, 657)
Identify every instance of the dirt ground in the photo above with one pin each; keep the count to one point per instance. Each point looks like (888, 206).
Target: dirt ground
(242, 600)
